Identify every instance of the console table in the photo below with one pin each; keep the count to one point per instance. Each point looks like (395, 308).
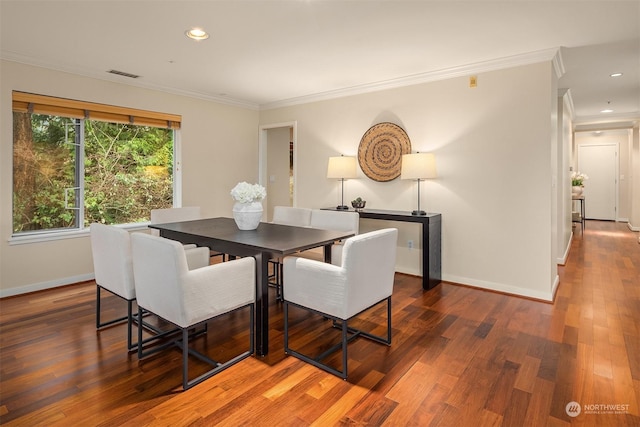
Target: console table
(431, 239)
(575, 216)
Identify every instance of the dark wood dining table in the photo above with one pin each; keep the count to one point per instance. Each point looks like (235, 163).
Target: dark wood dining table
(266, 242)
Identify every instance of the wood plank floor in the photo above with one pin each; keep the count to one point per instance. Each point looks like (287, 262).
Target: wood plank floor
(460, 357)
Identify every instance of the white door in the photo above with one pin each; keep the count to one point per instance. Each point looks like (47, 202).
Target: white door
(600, 164)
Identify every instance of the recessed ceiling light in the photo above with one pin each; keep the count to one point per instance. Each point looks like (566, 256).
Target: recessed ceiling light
(616, 75)
(608, 109)
(197, 34)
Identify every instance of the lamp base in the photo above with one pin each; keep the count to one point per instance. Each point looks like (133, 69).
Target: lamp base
(342, 208)
(418, 213)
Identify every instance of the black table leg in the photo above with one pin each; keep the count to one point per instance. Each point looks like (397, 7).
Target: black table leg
(327, 253)
(431, 254)
(262, 304)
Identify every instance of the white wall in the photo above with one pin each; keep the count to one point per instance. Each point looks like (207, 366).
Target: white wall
(493, 148)
(562, 177)
(218, 150)
(634, 216)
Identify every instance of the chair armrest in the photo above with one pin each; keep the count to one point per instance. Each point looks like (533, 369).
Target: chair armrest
(218, 288)
(314, 284)
(197, 257)
(156, 232)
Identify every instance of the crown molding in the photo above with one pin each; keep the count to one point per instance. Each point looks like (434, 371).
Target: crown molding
(27, 60)
(552, 55)
(621, 121)
(558, 63)
(464, 70)
(565, 94)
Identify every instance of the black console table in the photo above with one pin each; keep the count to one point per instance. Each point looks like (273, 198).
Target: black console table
(431, 239)
(575, 216)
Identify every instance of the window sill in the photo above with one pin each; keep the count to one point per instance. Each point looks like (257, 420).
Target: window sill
(48, 236)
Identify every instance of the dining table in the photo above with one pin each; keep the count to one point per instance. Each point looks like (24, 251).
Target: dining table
(266, 242)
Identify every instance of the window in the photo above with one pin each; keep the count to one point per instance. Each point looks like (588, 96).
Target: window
(75, 163)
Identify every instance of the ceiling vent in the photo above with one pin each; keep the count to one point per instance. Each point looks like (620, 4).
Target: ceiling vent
(122, 73)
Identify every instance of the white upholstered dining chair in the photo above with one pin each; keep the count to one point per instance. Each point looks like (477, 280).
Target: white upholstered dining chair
(113, 269)
(286, 215)
(335, 220)
(186, 213)
(189, 298)
(363, 279)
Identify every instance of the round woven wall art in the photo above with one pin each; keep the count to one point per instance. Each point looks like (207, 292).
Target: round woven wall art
(381, 149)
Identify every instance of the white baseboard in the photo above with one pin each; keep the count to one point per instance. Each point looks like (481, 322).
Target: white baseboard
(563, 260)
(407, 270)
(632, 228)
(19, 290)
(554, 288)
(504, 288)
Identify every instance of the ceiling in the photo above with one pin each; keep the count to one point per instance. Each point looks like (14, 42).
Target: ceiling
(263, 54)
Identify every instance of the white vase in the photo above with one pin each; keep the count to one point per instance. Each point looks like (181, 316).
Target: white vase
(247, 215)
(576, 190)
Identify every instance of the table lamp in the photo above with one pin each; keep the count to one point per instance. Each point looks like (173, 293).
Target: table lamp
(418, 166)
(342, 168)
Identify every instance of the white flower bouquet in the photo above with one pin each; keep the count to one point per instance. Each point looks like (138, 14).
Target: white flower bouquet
(578, 178)
(244, 192)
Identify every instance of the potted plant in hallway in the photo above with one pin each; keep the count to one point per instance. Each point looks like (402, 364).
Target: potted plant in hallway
(577, 183)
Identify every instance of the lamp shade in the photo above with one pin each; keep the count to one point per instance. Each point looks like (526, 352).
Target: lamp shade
(342, 167)
(418, 166)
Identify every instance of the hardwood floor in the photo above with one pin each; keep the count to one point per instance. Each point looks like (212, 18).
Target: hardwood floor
(460, 356)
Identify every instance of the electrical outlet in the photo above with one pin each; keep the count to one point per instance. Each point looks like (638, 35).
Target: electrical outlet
(410, 244)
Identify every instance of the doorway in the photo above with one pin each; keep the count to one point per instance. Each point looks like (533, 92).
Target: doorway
(600, 163)
(277, 164)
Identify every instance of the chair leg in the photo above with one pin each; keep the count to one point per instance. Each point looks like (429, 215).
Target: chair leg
(140, 354)
(155, 343)
(183, 343)
(376, 338)
(130, 345)
(185, 359)
(130, 318)
(275, 280)
(345, 339)
(99, 323)
(285, 313)
(217, 366)
(316, 361)
(280, 281)
(97, 307)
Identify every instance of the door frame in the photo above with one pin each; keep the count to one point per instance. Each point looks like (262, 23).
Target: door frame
(263, 140)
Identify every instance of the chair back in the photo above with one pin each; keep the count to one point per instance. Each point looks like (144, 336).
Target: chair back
(163, 216)
(287, 215)
(334, 220)
(369, 262)
(112, 259)
(158, 266)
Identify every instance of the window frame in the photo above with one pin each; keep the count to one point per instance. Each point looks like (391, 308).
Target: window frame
(42, 104)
